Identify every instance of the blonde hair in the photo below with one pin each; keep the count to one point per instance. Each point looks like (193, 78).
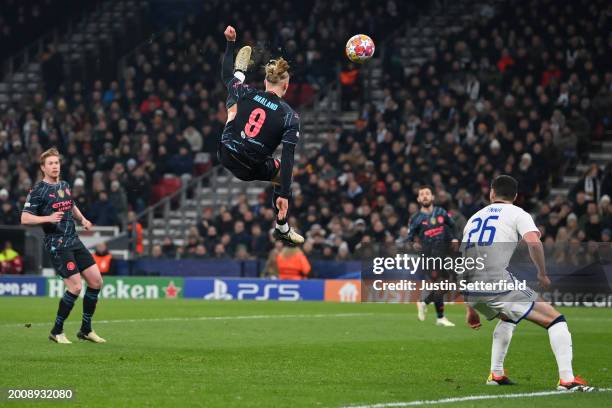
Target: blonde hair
(48, 153)
(277, 70)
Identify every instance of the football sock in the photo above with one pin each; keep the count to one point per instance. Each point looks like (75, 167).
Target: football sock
(429, 298)
(501, 341)
(240, 75)
(282, 226)
(65, 306)
(561, 344)
(439, 304)
(89, 307)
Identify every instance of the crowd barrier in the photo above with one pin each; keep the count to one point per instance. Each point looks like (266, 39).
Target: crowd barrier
(321, 269)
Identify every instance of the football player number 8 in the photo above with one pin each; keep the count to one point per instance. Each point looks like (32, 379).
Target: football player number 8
(256, 120)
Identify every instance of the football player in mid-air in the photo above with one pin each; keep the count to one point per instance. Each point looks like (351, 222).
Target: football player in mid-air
(493, 233)
(257, 123)
(50, 205)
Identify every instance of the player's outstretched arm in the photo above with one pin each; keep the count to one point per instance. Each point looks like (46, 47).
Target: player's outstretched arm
(31, 219)
(289, 141)
(536, 252)
(227, 64)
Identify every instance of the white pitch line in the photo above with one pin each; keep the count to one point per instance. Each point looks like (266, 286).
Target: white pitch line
(468, 398)
(212, 318)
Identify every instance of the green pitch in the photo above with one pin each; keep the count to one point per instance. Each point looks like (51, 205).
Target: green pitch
(275, 354)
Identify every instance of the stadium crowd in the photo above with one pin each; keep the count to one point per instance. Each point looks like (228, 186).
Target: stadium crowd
(122, 137)
(522, 92)
(22, 22)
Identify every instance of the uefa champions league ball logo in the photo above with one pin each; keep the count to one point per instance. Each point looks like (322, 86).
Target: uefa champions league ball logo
(360, 48)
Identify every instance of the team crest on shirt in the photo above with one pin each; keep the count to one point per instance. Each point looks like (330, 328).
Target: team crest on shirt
(60, 192)
(67, 191)
(440, 219)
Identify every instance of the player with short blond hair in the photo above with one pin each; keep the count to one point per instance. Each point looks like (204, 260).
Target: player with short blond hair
(258, 122)
(50, 205)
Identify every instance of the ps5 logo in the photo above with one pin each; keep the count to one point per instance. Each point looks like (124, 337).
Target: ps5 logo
(219, 292)
(255, 291)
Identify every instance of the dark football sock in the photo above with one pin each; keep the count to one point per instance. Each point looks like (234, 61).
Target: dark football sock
(65, 306)
(439, 303)
(89, 307)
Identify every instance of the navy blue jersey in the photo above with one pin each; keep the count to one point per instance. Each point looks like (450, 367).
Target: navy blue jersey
(263, 121)
(45, 199)
(434, 230)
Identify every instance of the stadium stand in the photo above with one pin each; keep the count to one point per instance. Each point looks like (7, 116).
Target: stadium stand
(22, 22)
(459, 93)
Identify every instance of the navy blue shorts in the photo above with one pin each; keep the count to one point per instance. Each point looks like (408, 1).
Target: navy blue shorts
(246, 169)
(70, 261)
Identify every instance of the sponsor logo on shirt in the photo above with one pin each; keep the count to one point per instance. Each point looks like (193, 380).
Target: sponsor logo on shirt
(62, 205)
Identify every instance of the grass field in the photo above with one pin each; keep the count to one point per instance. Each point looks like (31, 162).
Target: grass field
(276, 354)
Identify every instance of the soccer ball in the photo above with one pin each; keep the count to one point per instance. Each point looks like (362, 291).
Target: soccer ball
(359, 48)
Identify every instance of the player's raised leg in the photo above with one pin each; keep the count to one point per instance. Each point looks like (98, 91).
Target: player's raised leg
(241, 64)
(94, 283)
(66, 303)
(560, 337)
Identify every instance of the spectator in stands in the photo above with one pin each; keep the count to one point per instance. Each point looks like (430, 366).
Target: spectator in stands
(220, 251)
(102, 211)
(239, 237)
(590, 184)
(200, 252)
(104, 260)
(11, 263)
(168, 248)
(349, 82)
(270, 269)
(8, 213)
(156, 252)
(260, 243)
(292, 264)
(138, 188)
(135, 234)
(182, 162)
(118, 199)
(242, 253)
